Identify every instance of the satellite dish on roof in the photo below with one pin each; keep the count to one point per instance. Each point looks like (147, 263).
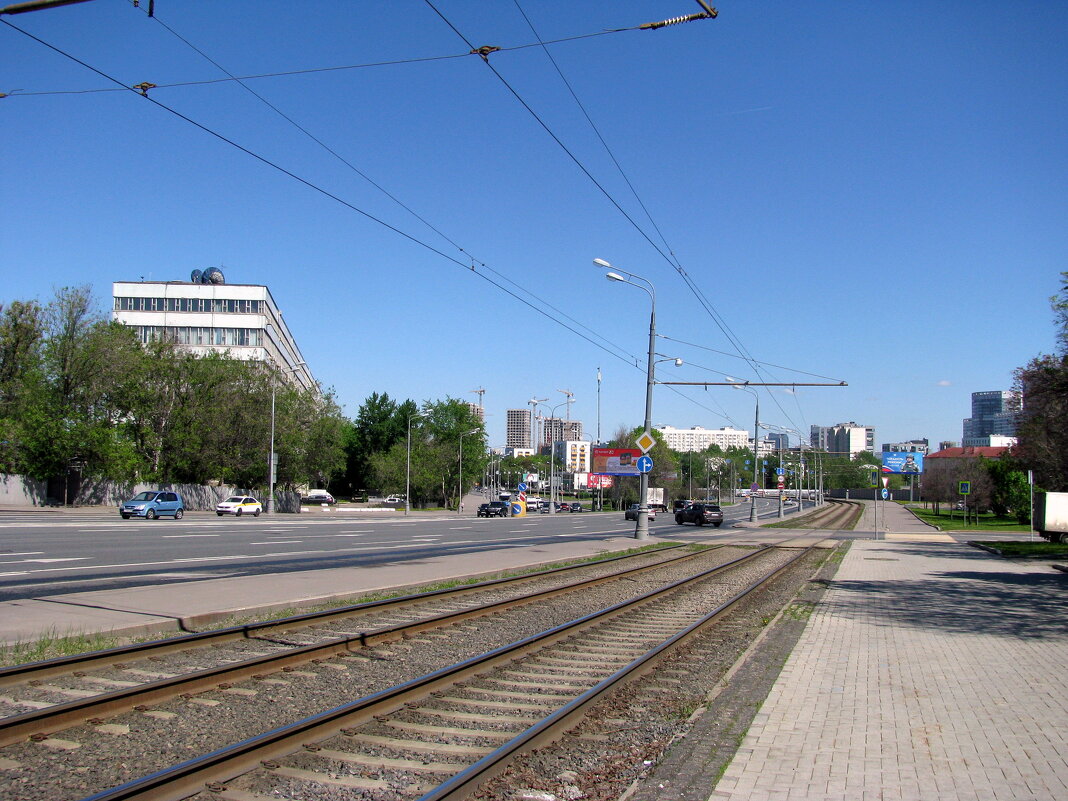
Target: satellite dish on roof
(213, 275)
(196, 276)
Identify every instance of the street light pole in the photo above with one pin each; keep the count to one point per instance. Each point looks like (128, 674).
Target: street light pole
(552, 458)
(272, 467)
(460, 496)
(756, 444)
(641, 529)
(408, 466)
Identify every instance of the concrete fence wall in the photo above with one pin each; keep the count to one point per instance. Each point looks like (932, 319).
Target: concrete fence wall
(23, 491)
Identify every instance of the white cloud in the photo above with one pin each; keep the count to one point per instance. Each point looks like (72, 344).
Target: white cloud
(944, 383)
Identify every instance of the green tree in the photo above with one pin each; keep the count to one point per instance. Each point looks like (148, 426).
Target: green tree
(380, 424)
(1042, 435)
(435, 456)
(1010, 491)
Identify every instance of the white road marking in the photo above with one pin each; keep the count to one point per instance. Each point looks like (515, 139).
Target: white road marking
(46, 561)
(277, 542)
(186, 536)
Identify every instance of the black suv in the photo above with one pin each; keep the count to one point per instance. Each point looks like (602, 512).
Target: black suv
(700, 514)
(494, 509)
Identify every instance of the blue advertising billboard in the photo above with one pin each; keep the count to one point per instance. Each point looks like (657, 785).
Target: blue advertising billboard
(902, 462)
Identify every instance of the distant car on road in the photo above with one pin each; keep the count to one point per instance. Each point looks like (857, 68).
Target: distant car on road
(576, 507)
(632, 512)
(700, 514)
(238, 505)
(151, 505)
(563, 507)
(319, 496)
(494, 509)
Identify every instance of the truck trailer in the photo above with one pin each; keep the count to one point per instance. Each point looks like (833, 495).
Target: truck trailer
(1051, 516)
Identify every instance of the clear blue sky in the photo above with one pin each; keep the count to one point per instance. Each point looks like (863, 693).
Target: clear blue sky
(861, 191)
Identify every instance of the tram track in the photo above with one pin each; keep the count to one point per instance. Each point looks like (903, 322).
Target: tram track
(87, 758)
(443, 734)
(148, 673)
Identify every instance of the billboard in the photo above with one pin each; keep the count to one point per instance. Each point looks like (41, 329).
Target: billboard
(903, 462)
(615, 461)
(595, 481)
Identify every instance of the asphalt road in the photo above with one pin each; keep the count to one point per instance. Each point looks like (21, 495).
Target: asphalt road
(43, 554)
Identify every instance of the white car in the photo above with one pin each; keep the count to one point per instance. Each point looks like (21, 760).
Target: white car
(319, 496)
(238, 505)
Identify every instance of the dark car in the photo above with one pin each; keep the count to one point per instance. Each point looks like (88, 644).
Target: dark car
(632, 512)
(680, 503)
(576, 507)
(700, 514)
(494, 509)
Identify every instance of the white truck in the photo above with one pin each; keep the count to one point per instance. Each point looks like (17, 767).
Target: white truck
(656, 499)
(1051, 516)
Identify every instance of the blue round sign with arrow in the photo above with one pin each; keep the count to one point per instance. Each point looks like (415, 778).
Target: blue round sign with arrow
(644, 464)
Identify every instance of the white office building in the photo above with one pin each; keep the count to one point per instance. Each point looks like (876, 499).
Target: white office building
(574, 455)
(699, 439)
(239, 319)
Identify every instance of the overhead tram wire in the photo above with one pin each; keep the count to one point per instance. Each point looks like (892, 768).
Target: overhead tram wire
(368, 179)
(143, 92)
(316, 70)
(735, 356)
(485, 52)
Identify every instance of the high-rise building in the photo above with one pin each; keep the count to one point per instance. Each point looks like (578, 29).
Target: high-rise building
(994, 414)
(518, 429)
(556, 429)
(206, 315)
(697, 438)
(477, 411)
(846, 439)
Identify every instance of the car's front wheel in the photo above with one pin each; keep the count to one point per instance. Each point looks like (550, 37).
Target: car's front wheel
(151, 514)
(220, 514)
(179, 514)
(237, 513)
(678, 519)
(125, 516)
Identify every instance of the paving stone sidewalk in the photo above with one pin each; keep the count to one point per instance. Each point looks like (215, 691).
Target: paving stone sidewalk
(929, 671)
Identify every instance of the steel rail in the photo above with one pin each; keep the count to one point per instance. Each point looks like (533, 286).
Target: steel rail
(48, 720)
(93, 660)
(550, 728)
(192, 776)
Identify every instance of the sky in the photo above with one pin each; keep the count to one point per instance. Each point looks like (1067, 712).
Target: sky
(817, 193)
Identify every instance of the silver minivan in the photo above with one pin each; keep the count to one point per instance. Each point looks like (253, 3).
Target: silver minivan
(151, 505)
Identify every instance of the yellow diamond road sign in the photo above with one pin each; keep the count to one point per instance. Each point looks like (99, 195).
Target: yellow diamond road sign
(646, 441)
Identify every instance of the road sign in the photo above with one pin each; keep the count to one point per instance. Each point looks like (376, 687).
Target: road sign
(885, 493)
(645, 441)
(754, 486)
(965, 488)
(779, 470)
(522, 487)
(645, 464)
(781, 485)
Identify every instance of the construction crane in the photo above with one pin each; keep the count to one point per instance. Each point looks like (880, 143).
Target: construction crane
(480, 392)
(570, 399)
